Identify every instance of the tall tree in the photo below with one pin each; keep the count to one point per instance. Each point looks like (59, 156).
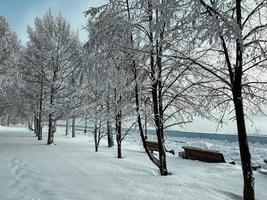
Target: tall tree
(152, 80)
(12, 101)
(233, 33)
(57, 49)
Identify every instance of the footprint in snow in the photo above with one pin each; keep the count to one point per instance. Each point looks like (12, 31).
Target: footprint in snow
(27, 183)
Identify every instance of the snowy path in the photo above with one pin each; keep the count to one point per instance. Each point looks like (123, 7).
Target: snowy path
(70, 170)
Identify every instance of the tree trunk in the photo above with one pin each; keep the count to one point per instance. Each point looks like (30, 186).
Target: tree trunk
(95, 138)
(137, 96)
(118, 128)
(141, 131)
(159, 131)
(248, 192)
(109, 133)
(50, 138)
(39, 125)
(35, 124)
(40, 128)
(155, 97)
(145, 119)
(73, 127)
(54, 127)
(67, 127)
(7, 120)
(85, 125)
(159, 90)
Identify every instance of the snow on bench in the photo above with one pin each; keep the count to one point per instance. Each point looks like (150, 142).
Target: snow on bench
(205, 155)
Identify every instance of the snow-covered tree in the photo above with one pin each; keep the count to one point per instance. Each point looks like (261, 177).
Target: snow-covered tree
(107, 73)
(55, 52)
(12, 104)
(227, 47)
(158, 87)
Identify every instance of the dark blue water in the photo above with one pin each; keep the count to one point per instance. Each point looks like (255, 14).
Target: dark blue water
(177, 134)
(228, 137)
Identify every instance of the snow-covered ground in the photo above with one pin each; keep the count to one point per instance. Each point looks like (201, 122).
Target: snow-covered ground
(71, 170)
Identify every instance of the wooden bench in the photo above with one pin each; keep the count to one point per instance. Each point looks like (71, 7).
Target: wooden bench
(206, 155)
(154, 146)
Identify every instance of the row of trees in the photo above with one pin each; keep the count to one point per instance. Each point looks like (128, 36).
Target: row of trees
(167, 48)
(156, 62)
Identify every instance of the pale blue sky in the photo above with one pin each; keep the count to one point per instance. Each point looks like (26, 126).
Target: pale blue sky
(21, 13)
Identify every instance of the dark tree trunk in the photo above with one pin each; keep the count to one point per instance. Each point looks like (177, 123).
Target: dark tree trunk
(150, 155)
(40, 112)
(146, 119)
(118, 135)
(137, 96)
(235, 76)
(50, 138)
(85, 125)
(67, 127)
(145, 127)
(248, 191)
(99, 135)
(155, 97)
(73, 127)
(40, 128)
(35, 124)
(95, 138)
(159, 131)
(109, 133)
(54, 126)
(160, 100)
(8, 119)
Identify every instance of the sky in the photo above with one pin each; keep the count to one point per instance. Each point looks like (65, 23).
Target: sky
(21, 13)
